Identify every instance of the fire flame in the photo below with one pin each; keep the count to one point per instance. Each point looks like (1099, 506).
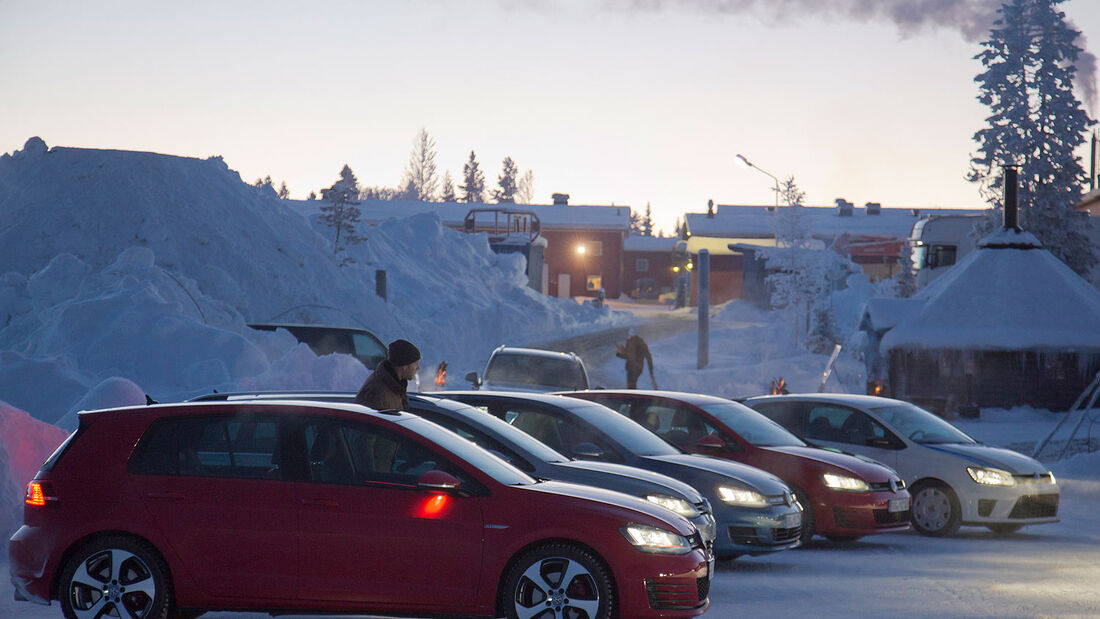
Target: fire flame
(441, 375)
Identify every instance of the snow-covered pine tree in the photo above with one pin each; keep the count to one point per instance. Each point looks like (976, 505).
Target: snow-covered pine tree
(420, 171)
(340, 212)
(1036, 123)
(473, 187)
(506, 182)
(525, 188)
(646, 223)
(447, 189)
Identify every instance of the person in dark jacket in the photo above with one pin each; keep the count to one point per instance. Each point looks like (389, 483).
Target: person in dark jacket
(387, 385)
(636, 353)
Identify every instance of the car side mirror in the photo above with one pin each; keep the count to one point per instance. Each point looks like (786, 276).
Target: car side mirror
(472, 378)
(438, 480)
(710, 441)
(588, 450)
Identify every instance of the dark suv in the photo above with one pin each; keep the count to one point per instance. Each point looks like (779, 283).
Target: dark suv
(329, 508)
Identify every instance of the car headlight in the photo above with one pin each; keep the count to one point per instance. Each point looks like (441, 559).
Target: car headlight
(680, 506)
(652, 539)
(843, 482)
(741, 496)
(990, 476)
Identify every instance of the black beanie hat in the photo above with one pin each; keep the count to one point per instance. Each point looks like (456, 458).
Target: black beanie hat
(402, 352)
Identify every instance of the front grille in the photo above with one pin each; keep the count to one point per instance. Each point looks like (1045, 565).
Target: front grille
(696, 540)
(885, 516)
(846, 518)
(702, 586)
(1035, 506)
(882, 486)
(786, 535)
(985, 507)
(747, 536)
(1042, 478)
(675, 596)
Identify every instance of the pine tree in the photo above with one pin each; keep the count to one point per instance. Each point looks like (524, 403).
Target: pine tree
(447, 192)
(473, 189)
(284, 193)
(312, 195)
(647, 221)
(635, 224)
(1037, 123)
(525, 188)
(420, 171)
(509, 174)
(341, 213)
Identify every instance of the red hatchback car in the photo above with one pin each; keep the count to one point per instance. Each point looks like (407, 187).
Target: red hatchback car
(288, 506)
(850, 497)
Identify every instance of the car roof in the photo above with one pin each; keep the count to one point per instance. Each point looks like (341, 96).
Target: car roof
(535, 352)
(699, 399)
(183, 408)
(547, 398)
(857, 399)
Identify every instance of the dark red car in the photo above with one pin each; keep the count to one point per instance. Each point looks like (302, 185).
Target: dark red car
(329, 508)
(845, 497)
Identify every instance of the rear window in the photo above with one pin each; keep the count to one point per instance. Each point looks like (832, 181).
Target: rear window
(550, 372)
(240, 446)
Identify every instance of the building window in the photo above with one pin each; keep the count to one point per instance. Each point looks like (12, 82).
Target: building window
(641, 265)
(592, 283)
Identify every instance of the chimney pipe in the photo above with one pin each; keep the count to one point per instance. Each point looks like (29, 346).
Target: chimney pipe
(1011, 207)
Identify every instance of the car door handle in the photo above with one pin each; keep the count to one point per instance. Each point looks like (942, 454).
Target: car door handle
(167, 496)
(330, 503)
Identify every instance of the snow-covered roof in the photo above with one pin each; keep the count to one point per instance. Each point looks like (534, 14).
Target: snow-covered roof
(649, 243)
(1001, 297)
(883, 313)
(452, 214)
(820, 221)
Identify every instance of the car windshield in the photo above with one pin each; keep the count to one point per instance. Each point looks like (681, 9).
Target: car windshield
(504, 431)
(553, 373)
(752, 426)
(479, 458)
(627, 433)
(920, 425)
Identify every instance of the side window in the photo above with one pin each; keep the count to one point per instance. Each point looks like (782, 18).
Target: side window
(478, 438)
(785, 414)
(677, 424)
(842, 425)
(558, 433)
(345, 452)
(245, 447)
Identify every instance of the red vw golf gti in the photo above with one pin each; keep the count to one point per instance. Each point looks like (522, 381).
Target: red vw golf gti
(289, 506)
(845, 497)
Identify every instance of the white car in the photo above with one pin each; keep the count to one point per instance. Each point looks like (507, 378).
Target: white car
(530, 369)
(953, 479)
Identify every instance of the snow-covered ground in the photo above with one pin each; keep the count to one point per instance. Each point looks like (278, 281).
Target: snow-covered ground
(133, 273)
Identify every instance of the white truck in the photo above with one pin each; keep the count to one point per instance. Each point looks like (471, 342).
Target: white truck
(939, 241)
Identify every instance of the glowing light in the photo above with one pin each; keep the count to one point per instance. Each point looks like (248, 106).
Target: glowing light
(35, 495)
(580, 249)
(433, 506)
(675, 269)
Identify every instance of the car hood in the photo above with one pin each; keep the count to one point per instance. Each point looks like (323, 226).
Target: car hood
(860, 467)
(618, 500)
(988, 455)
(763, 481)
(633, 473)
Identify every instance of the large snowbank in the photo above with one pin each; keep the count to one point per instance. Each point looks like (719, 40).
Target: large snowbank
(25, 443)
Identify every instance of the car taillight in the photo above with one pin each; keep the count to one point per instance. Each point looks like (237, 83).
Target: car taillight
(40, 494)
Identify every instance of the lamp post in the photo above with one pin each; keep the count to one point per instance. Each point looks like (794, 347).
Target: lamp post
(748, 164)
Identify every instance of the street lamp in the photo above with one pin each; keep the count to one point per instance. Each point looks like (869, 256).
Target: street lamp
(745, 163)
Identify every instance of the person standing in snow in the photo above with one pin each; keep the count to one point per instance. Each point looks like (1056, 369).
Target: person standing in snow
(636, 353)
(387, 386)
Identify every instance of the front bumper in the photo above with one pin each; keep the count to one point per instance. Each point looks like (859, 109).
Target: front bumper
(862, 513)
(755, 531)
(1024, 503)
(678, 588)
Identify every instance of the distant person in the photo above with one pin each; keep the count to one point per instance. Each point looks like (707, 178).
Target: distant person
(387, 386)
(636, 353)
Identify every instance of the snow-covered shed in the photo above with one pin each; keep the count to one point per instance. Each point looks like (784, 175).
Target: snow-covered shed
(1009, 324)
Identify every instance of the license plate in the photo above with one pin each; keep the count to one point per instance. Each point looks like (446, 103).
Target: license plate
(791, 521)
(899, 505)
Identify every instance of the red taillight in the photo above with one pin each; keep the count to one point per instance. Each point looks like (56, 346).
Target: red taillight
(39, 494)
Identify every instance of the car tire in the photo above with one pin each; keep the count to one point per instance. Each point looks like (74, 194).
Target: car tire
(116, 571)
(935, 509)
(1004, 529)
(536, 580)
(809, 527)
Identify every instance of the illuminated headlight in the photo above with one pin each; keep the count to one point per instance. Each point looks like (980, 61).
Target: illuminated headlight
(990, 477)
(652, 539)
(680, 506)
(843, 482)
(741, 496)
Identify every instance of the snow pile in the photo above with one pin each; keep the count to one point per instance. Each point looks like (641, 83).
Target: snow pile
(25, 443)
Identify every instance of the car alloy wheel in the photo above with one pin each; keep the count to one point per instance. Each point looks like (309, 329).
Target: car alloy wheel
(935, 510)
(115, 577)
(558, 581)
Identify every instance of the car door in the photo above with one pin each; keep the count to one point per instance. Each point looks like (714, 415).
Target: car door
(849, 429)
(215, 485)
(369, 534)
